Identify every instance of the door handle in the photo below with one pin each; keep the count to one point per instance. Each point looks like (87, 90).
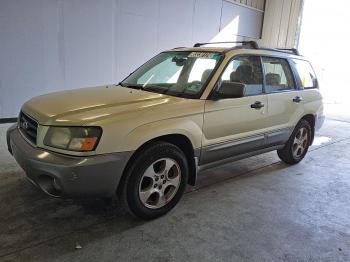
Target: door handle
(297, 99)
(257, 105)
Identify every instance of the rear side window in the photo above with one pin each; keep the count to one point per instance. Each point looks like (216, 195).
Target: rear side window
(306, 74)
(278, 75)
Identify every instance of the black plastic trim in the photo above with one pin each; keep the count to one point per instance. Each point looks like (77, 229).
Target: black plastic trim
(8, 120)
(237, 157)
(253, 44)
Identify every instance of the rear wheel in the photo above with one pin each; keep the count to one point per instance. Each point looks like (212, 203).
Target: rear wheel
(297, 145)
(155, 181)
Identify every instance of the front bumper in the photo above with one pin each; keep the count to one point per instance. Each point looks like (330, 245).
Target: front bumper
(68, 176)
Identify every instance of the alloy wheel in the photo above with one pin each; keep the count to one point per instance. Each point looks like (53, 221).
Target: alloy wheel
(300, 143)
(159, 183)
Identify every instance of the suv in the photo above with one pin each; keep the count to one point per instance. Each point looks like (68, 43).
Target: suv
(183, 111)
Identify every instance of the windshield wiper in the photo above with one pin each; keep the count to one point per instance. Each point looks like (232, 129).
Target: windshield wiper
(150, 88)
(130, 86)
(154, 87)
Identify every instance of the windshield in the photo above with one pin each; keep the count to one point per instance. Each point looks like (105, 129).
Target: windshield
(175, 73)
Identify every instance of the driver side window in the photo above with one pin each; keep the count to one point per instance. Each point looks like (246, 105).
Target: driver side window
(246, 70)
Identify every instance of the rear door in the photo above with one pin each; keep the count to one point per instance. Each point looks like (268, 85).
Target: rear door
(233, 126)
(284, 99)
(312, 98)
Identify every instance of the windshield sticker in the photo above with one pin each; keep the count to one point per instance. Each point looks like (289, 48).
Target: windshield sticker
(201, 55)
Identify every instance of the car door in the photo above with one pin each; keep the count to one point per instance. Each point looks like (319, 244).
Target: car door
(308, 83)
(234, 126)
(284, 99)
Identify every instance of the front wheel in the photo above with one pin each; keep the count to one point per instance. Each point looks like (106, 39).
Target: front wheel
(298, 144)
(155, 181)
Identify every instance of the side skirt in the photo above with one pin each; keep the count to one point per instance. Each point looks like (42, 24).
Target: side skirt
(237, 157)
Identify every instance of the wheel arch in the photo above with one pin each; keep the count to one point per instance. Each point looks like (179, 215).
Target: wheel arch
(179, 140)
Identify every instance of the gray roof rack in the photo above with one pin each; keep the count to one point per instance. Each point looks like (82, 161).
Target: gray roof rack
(179, 47)
(293, 51)
(290, 50)
(252, 44)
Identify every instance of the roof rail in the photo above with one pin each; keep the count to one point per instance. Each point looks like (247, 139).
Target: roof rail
(253, 44)
(289, 50)
(283, 50)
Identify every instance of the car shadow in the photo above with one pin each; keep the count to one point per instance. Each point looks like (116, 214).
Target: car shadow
(29, 218)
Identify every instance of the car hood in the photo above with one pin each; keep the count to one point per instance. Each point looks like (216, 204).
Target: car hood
(89, 105)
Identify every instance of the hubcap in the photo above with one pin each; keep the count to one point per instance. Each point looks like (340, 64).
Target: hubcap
(300, 143)
(159, 183)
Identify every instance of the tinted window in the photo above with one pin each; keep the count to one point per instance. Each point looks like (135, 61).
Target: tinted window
(278, 75)
(246, 70)
(306, 73)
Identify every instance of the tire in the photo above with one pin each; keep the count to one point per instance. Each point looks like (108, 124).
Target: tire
(155, 181)
(298, 144)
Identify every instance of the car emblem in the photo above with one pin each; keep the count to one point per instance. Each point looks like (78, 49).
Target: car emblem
(25, 125)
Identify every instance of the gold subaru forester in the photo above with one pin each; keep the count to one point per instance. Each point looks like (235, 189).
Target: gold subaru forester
(183, 111)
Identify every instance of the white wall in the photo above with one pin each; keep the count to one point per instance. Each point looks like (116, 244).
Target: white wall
(281, 23)
(258, 4)
(53, 45)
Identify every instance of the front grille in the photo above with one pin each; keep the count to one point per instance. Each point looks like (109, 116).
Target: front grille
(28, 127)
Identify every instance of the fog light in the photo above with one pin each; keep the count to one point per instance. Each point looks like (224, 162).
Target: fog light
(49, 185)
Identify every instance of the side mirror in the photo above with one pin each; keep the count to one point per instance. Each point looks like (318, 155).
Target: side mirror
(230, 90)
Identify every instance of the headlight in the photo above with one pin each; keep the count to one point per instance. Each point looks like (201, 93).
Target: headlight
(73, 138)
